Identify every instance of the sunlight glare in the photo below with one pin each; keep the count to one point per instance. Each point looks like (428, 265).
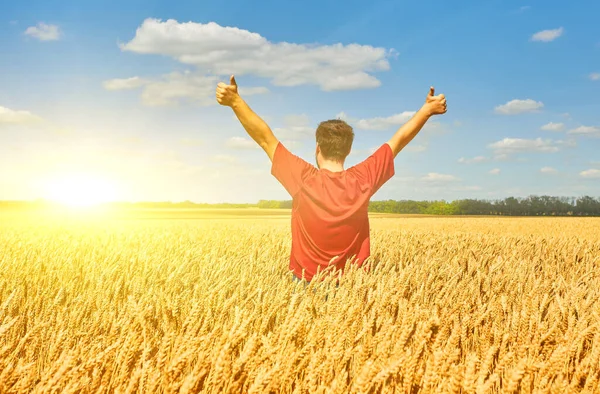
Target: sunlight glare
(81, 190)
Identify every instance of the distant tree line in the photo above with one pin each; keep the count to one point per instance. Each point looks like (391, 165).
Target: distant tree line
(275, 204)
(511, 206)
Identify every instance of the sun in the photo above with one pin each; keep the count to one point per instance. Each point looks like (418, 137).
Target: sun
(80, 190)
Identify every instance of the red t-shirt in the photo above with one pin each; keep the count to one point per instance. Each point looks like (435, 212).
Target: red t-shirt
(329, 209)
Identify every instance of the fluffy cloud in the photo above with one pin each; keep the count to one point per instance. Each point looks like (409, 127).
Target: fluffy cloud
(124, 83)
(518, 145)
(229, 50)
(515, 107)
(590, 131)
(595, 76)
(547, 35)
(177, 86)
(383, 123)
(241, 143)
(172, 88)
(476, 159)
(250, 91)
(430, 129)
(296, 127)
(44, 32)
(553, 126)
(378, 123)
(495, 171)
(9, 116)
(591, 173)
(436, 177)
(548, 170)
(570, 143)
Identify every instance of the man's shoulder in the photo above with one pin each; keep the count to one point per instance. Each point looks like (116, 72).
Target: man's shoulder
(385, 150)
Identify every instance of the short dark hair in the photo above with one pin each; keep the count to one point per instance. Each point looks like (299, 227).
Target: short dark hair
(335, 138)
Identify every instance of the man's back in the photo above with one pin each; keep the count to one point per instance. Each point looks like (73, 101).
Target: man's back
(330, 223)
(329, 215)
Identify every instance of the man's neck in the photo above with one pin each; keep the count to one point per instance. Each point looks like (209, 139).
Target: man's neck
(333, 166)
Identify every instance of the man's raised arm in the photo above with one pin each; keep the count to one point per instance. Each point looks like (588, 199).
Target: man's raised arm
(260, 132)
(434, 105)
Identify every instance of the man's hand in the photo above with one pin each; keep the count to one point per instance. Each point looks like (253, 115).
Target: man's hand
(435, 105)
(256, 128)
(227, 94)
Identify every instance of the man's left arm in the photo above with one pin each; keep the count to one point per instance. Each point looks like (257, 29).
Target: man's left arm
(256, 128)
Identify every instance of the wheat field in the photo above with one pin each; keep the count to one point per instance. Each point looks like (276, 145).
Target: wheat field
(171, 305)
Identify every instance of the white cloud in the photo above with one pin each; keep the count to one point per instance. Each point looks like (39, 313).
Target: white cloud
(476, 159)
(553, 126)
(124, 83)
(548, 170)
(294, 133)
(229, 50)
(592, 131)
(547, 35)
(519, 145)
(296, 127)
(177, 86)
(436, 177)
(377, 123)
(516, 106)
(395, 121)
(570, 143)
(44, 32)
(595, 76)
(381, 123)
(495, 171)
(241, 143)
(591, 173)
(343, 116)
(250, 91)
(296, 120)
(172, 88)
(9, 116)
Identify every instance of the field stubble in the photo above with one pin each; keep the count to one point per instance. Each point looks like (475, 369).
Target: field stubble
(470, 305)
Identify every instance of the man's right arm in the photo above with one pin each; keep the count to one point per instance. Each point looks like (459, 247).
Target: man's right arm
(256, 128)
(434, 105)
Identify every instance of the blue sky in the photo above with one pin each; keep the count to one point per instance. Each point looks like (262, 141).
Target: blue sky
(123, 93)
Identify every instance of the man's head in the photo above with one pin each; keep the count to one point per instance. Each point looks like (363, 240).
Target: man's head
(334, 141)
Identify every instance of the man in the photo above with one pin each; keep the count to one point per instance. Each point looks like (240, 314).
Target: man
(330, 224)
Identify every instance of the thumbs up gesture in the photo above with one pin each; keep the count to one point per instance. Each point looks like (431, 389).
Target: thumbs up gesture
(227, 94)
(435, 105)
